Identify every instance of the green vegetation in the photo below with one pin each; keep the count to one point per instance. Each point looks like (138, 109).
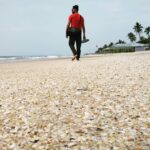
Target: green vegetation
(132, 37)
(147, 31)
(121, 42)
(145, 41)
(138, 30)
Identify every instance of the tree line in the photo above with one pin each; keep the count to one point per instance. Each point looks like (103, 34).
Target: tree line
(135, 36)
(138, 30)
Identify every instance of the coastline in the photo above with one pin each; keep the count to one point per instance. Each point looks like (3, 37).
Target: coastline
(69, 57)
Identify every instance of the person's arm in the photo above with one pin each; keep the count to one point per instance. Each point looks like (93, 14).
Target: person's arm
(83, 28)
(68, 25)
(84, 37)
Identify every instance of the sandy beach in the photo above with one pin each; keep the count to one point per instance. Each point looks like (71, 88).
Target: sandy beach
(98, 103)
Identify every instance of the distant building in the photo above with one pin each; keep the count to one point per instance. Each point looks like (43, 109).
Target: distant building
(136, 46)
(89, 54)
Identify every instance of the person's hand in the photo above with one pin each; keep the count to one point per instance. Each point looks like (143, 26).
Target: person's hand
(84, 37)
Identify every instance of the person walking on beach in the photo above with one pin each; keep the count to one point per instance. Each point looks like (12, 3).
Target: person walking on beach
(74, 30)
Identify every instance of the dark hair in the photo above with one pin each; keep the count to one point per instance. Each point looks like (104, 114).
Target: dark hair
(76, 7)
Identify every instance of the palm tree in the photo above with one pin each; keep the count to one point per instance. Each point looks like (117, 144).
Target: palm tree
(147, 31)
(138, 29)
(131, 37)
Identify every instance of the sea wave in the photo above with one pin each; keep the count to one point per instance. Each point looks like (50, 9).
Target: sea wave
(26, 58)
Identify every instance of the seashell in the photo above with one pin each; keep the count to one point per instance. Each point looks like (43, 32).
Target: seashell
(100, 103)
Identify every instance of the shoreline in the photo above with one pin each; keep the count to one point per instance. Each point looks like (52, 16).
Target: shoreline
(69, 57)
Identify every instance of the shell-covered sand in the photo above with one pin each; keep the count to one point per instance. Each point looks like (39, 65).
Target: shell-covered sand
(99, 103)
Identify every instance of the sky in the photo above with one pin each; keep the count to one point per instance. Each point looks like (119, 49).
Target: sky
(37, 27)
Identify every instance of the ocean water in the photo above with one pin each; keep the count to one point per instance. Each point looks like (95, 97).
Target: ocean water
(4, 59)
